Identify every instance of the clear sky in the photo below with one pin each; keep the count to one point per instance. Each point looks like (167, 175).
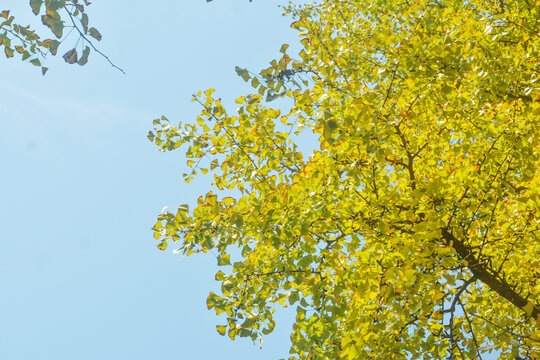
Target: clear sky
(81, 186)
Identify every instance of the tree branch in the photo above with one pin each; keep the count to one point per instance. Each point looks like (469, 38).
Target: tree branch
(500, 286)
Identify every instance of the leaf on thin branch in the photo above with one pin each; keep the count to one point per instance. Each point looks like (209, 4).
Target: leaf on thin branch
(94, 33)
(84, 58)
(71, 56)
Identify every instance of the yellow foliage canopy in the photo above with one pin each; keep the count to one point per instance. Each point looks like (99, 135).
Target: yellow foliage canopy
(412, 231)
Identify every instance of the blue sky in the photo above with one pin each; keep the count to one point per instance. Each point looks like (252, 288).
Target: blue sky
(81, 185)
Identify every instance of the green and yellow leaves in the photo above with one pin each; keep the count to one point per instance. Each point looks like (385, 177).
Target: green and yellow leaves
(53, 21)
(20, 40)
(411, 231)
(54, 14)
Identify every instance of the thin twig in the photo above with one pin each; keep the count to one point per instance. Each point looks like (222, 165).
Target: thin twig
(90, 42)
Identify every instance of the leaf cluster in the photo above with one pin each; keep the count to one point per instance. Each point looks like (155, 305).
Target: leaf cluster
(61, 17)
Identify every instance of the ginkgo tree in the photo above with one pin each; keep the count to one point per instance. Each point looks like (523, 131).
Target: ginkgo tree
(412, 230)
(61, 17)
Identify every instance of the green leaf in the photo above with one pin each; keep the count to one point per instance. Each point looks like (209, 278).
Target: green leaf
(243, 73)
(53, 5)
(36, 6)
(255, 82)
(529, 308)
(332, 124)
(94, 33)
(270, 328)
(305, 261)
(224, 259)
(211, 300)
(84, 58)
(84, 22)
(294, 297)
